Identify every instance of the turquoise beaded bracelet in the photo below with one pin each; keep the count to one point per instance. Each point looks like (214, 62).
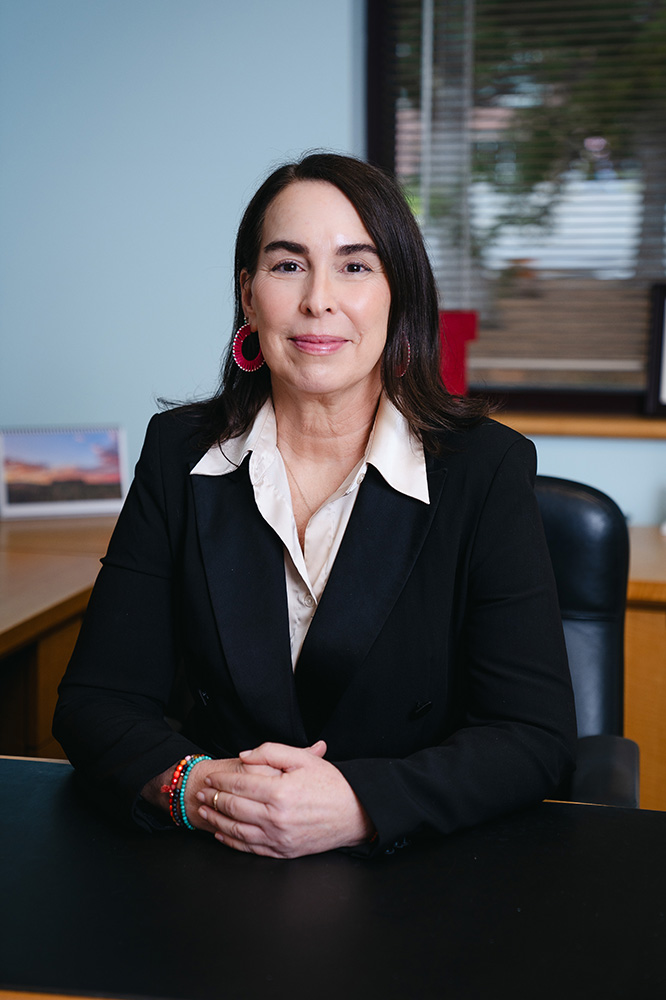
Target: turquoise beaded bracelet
(183, 782)
(177, 789)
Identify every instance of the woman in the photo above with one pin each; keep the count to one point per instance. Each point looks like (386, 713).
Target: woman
(331, 473)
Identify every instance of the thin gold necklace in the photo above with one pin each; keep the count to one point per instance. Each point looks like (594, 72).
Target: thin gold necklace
(308, 506)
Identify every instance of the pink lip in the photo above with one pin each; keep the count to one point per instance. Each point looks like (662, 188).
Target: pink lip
(311, 343)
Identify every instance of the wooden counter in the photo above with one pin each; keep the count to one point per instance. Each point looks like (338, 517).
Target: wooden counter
(47, 570)
(645, 666)
(48, 567)
(584, 425)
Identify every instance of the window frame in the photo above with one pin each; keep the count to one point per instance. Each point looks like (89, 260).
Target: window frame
(380, 150)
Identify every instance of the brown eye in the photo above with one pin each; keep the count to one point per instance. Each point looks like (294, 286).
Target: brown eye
(286, 267)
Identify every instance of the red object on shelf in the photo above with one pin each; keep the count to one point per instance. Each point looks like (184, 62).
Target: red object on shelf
(456, 327)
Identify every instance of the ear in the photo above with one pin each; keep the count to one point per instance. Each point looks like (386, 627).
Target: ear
(246, 298)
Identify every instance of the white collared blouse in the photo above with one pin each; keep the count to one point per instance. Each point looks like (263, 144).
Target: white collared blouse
(392, 449)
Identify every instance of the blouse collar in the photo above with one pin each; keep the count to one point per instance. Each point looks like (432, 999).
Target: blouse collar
(392, 449)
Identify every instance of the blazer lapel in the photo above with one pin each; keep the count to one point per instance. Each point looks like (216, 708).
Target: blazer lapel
(244, 564)
(381, 544)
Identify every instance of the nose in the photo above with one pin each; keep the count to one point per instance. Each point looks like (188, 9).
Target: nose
(318, 293)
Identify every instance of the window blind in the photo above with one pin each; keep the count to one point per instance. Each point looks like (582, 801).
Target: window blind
(530, 138)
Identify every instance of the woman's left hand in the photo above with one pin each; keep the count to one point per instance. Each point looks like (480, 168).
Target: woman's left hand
(307, 808)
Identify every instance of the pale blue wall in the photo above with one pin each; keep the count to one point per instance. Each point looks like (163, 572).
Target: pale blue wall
(632, 471)
(132, 132)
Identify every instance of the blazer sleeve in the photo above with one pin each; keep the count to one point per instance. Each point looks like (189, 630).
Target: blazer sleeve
(110, 716)
(515, 744)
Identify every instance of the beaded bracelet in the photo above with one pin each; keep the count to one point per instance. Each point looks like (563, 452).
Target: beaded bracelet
(176, 790)
(171, 789)
(183, 782)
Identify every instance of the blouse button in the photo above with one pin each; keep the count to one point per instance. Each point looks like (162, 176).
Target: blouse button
(309, 601)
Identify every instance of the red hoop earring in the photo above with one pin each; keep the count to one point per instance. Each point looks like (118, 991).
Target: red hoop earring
(245, 364)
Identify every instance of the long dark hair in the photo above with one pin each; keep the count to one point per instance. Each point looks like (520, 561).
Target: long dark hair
(413, 324)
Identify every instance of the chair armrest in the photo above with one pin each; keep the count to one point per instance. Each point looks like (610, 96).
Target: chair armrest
(607, 771)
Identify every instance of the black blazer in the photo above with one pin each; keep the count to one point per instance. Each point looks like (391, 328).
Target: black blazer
(434, 667)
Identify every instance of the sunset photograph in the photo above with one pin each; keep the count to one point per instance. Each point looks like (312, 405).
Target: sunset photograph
(61, 466)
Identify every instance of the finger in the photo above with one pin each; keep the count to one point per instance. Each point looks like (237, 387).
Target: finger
(264, 754)
(238, 767)
(278, 755)
(236, 832)
(265, 769)
(246, 837)
(318, 749)
(244, 787)
(264, 850)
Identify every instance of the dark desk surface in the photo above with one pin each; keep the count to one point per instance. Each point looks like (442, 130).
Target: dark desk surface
(562, 901)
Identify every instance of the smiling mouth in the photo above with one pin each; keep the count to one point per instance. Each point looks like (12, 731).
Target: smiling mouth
(311, 343)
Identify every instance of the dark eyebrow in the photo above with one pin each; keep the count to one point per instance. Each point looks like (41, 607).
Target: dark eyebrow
(349, 249)
(286, 245)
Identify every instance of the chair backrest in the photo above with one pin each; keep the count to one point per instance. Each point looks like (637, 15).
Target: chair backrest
(589, 547)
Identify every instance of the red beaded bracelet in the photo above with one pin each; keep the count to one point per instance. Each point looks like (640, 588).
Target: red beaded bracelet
(172, 789)
(176, 789)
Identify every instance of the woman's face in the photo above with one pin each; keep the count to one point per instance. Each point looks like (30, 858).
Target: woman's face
(319, 297)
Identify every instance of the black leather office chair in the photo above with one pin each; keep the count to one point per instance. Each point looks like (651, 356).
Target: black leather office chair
(589, 547)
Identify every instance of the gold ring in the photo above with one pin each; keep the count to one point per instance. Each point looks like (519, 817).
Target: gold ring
(215, 799)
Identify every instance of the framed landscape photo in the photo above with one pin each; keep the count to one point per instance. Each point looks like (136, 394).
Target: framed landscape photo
(48, 472)
(656, 391)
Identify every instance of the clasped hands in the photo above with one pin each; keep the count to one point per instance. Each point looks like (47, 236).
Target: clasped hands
(278, 801)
